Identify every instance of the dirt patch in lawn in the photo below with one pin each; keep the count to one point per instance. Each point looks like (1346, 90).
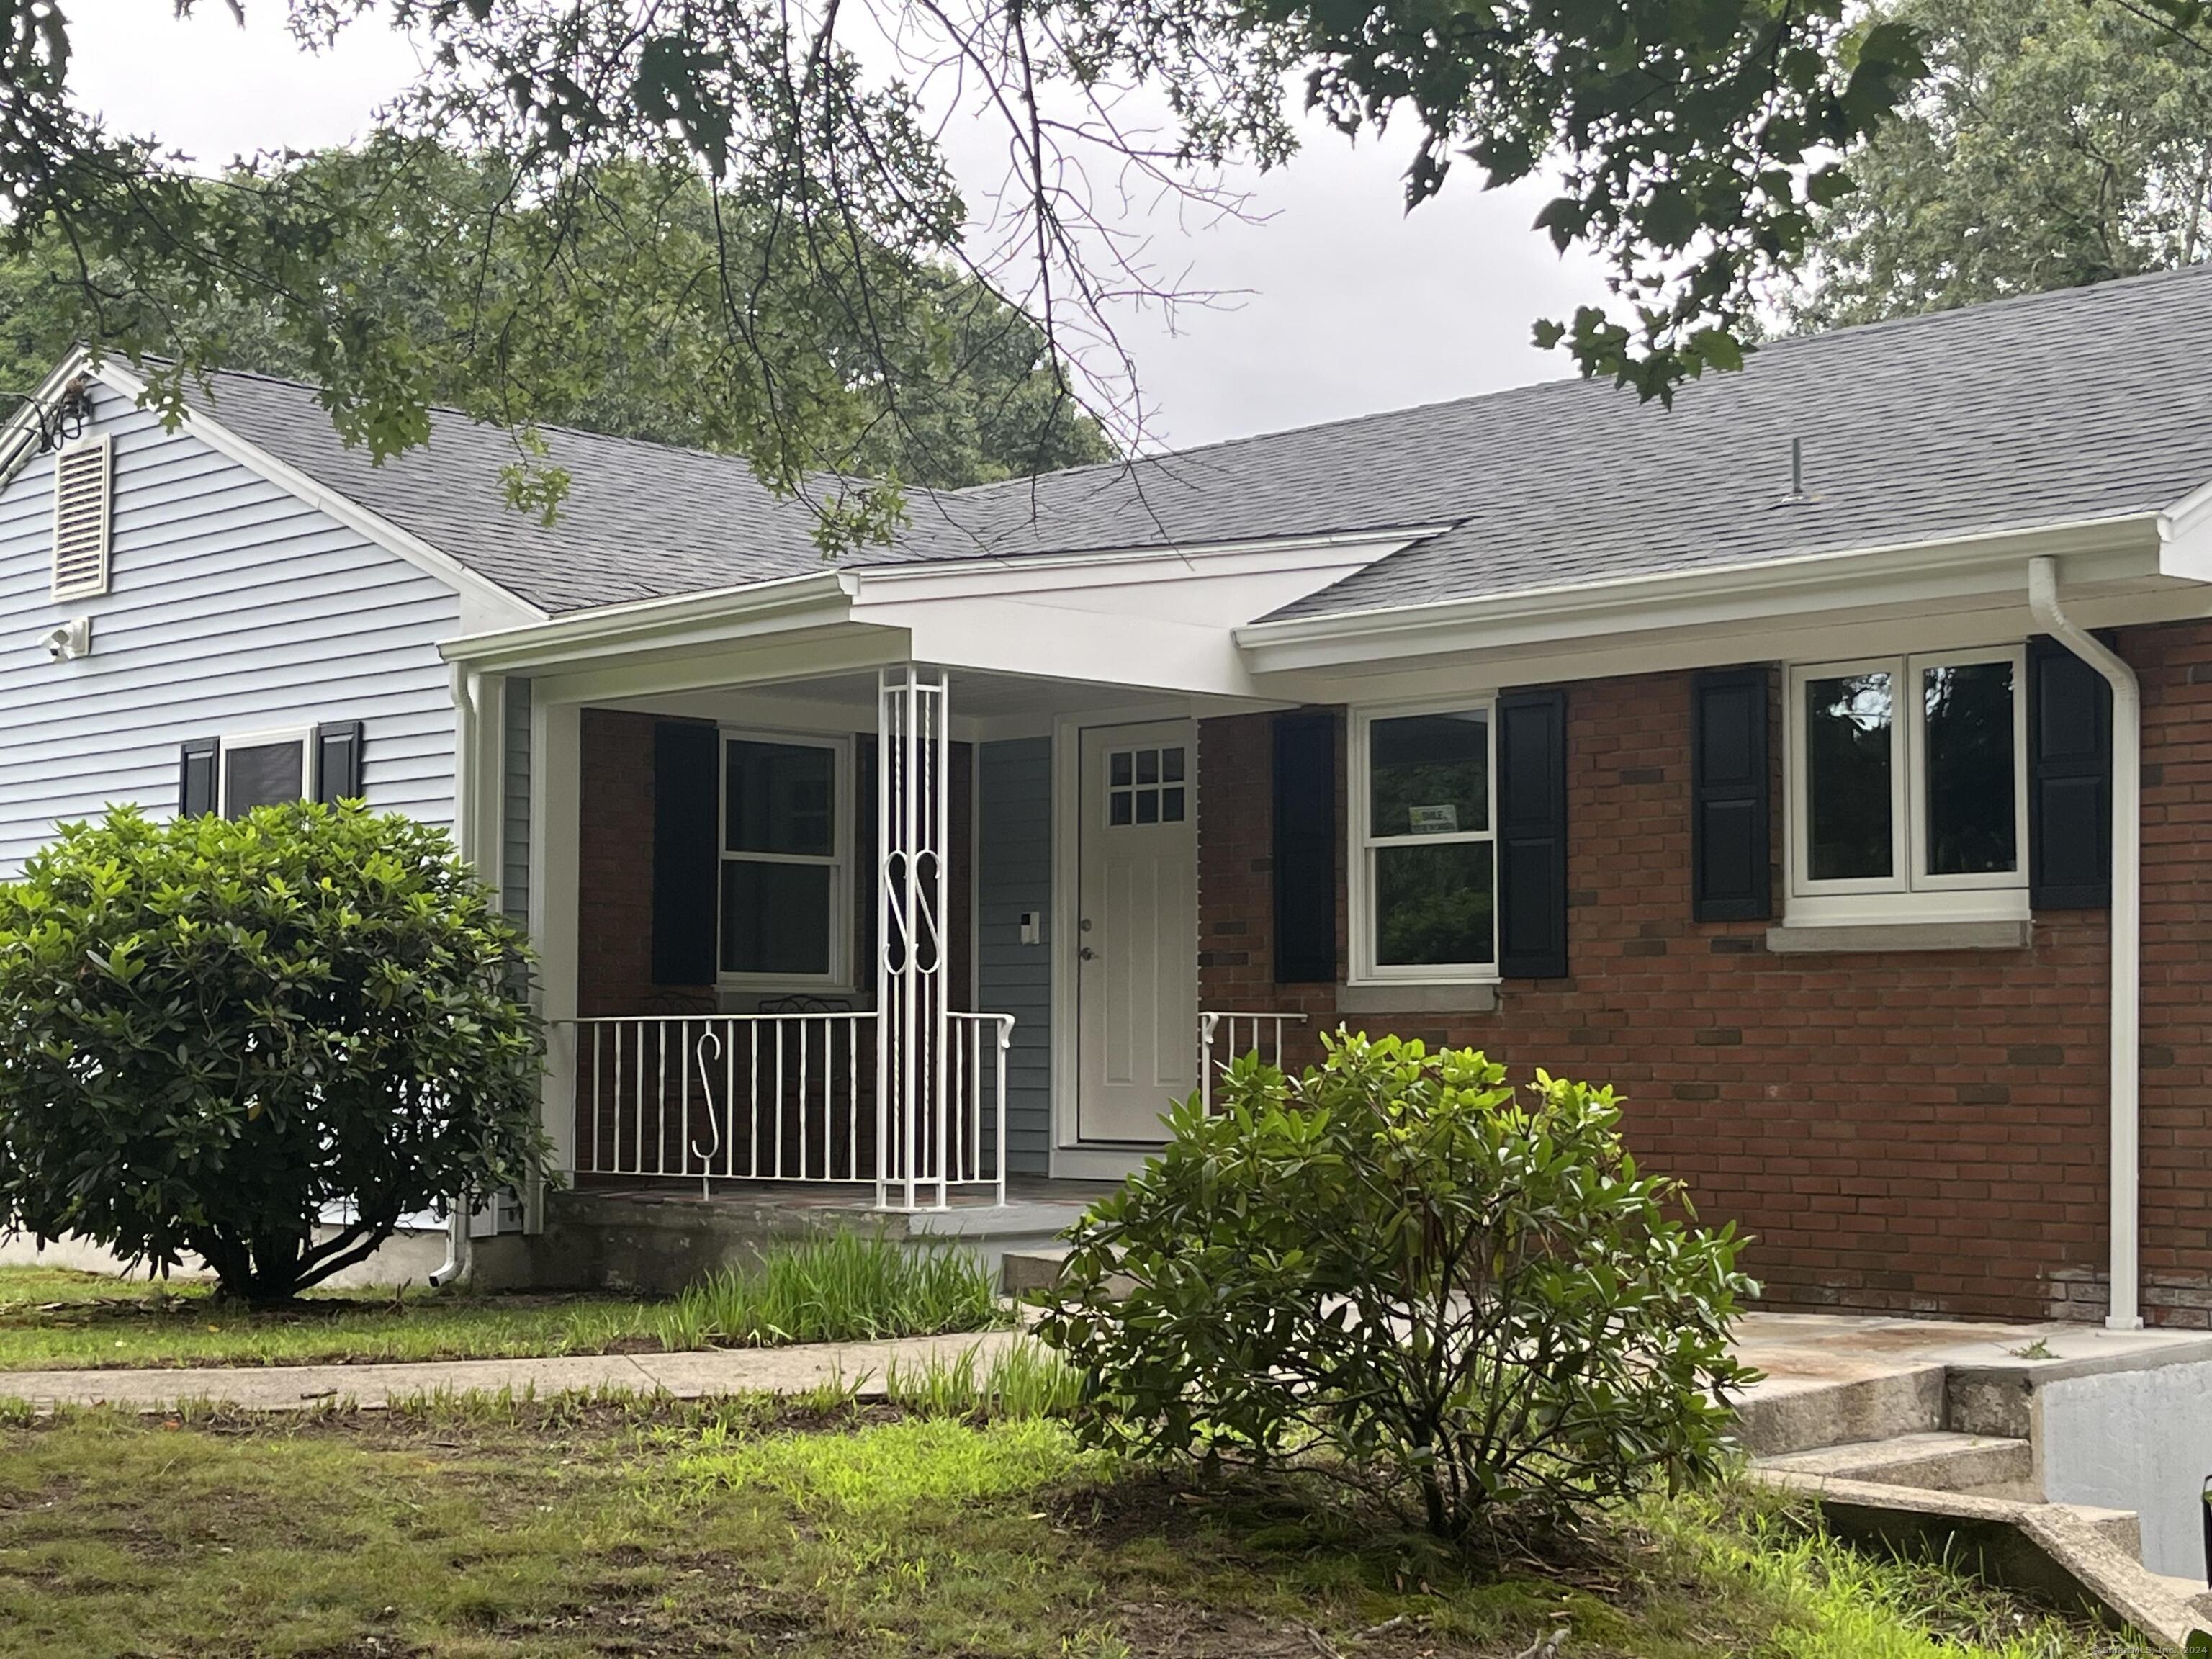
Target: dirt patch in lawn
(580, 1529)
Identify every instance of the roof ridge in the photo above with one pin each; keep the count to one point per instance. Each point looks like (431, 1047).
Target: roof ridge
(1783, 344)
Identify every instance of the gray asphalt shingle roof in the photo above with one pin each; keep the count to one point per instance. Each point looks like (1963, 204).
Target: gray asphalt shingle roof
(2083, 404)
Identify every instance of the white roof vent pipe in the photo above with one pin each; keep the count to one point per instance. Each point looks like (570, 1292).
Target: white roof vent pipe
(2125, 1310)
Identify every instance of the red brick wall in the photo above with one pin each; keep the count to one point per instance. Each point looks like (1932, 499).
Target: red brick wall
(614, 961)
(1921, 1133)
(614, 868)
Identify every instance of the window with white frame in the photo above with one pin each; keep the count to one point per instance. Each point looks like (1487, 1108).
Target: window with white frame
(264, 768)
(786, 860)
(1425, 868)
(1908, 787)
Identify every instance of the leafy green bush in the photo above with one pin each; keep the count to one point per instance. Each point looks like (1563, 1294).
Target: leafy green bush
(839, 1287)
(1394, 1270)
(212, 1034)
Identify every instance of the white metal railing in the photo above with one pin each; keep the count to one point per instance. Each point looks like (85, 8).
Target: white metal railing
(972, 1127)
(726, 1096)
(1262, 1035)
(788, 1097)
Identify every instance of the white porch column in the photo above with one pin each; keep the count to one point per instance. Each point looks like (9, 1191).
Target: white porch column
(914, 836)
(555, 803)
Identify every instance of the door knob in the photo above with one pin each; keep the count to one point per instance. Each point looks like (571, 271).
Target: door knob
(1087, 953)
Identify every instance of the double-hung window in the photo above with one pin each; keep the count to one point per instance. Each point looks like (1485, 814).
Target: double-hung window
(1424, 856)
(1908, 788)
(264, 768)
(785, 860)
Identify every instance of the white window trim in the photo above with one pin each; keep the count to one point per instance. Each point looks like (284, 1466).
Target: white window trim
(1360, 882)
(268, 737)
(839, 979)
(1906, 895)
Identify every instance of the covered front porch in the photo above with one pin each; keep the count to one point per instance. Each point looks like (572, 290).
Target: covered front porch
(823, 925)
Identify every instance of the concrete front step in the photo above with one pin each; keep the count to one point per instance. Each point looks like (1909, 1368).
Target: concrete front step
(1036, 1269)
(2071, 1554)
(1810, 1410)
(1935, 1461)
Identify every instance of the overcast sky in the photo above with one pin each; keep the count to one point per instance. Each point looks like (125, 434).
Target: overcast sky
(1348, 303)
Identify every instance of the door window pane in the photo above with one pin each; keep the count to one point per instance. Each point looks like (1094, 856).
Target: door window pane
(1849, 726)
(1429, 774)
(1134, 790)
(1434, 905)
(782, 798)
(1969, 769)
(262, 775)
(775, 918)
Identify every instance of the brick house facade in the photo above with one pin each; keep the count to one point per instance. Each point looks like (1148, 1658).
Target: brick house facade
(1903, 1132)
(615, 839)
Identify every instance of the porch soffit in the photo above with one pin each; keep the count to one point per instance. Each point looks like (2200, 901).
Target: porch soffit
(1108, 626)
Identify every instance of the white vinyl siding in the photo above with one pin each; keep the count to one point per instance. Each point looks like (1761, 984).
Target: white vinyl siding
(232, 606)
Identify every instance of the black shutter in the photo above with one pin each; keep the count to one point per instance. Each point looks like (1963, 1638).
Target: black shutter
(1731, 858)
(1532, 835)
(337, 762)
(195, 788)
(686, 858)
(1305, 849)
(2070, 781)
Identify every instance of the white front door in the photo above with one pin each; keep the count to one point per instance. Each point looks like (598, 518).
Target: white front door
(1136, 929)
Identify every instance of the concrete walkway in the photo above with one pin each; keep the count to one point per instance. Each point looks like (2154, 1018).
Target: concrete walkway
(685, 1376)
(1824, 1373)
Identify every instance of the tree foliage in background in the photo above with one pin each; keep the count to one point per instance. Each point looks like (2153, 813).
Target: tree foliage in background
(1693, 143)
(2055, 143)
(1396, 1271)
(604, 318)
(215, 1034)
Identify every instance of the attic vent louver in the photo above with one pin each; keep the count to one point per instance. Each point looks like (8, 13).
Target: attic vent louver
(82, 475)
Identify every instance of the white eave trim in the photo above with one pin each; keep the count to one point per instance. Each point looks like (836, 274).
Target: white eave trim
(1675, 599)
(1002, 573)
(826, 598)
(20, 428)
(724, 615)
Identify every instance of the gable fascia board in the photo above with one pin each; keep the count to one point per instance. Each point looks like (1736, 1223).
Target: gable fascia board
(2186, 534)
(2128, 547)
(1035, 572)
(21, 426)
(678, 623)
(496, 600)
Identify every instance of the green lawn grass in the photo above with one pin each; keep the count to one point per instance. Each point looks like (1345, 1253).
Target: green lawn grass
(51, 1319)
(459, 1530)
(837, 1288)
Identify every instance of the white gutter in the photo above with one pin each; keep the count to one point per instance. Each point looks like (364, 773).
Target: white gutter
(1754, 591)
(468, 737)
(2125, 1313)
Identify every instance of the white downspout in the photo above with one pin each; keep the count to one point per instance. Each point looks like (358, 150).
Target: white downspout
(2125, 1312)
(468, 700)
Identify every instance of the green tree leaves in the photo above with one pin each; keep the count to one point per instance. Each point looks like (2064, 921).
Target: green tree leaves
(1396, 1271)
(215, 1035)
(2055, 143)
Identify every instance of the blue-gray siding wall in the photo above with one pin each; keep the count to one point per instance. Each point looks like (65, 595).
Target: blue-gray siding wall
(514, 805)
(1013, 856)
(232, 606)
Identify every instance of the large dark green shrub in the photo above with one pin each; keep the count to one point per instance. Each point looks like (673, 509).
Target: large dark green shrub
(1396, 1270)
(212, 1034)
